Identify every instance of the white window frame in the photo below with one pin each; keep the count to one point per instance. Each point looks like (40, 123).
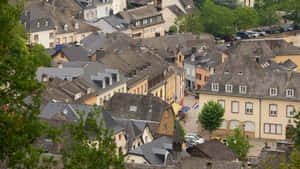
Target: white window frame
(290, 92)
(248, 108)
(228, 88)
(273, 110)
(273, 91)
(215, 87)
(290, 110)
(222, 103)
(243, 89)
(233, 104)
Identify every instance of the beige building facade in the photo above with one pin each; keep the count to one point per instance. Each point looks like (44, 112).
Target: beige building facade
(259, 117)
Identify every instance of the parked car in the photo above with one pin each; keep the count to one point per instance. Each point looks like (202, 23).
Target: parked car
(253, 34)
(268, 30)
(236, 37)
(291, 27)
(260, 32)
(192, 139)
(275, 30)
(228, 38)
(243, 35)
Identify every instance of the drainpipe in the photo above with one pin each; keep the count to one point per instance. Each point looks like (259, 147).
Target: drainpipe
(260, 118)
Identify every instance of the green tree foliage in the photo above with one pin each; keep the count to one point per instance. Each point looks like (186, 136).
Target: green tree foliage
(38, 52)
(217, 20)
(20, 126)
(292, 7)
(189, 23)
(293, 162)
(268, 16)
(238, 144)
(211, 116)
(84, 152)
(294, 132)
(246, 18)
(231, 4)
(173, 29)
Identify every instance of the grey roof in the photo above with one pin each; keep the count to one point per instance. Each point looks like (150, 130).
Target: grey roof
(62, 12)
(65, 91)
(154, 151)
(94, 42)
(133, 129)
(91, 72)
(289, 64)
(189, 6)
(35, 20)
(76, 53)
(139, 2)
(176, 10)
(214, 150)
(139, 107)
(70, 112)
(117, 23)
(238, 70)
(63, 73)
(140, 13)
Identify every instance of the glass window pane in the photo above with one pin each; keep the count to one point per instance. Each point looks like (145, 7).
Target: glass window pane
(273, 128)
(279, 129)
(267, 128)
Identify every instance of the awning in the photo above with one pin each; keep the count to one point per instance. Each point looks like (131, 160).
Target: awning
(176, 108)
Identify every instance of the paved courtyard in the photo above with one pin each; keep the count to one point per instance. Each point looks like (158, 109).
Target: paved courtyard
(190, 125)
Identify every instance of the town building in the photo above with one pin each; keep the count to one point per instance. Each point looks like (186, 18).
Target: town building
(105, 81)
(261, 101)
(70, 113)
(112, 24)
(145, 22)
(95, 9)
(147, 108)
(53, 23)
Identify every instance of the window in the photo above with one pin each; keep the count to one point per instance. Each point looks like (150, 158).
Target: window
(243, 89)
(249, 108)
(272, 128)
(137, 23)
(51, 45)
(57, 40)
(187, 71)
(46, 23)
(222, 103)
(273, 110)
(38, 25)
(205, 78)
(120, 136)
(36, 37)
(215, 87)
(249, 126)
(70, 39)
(160, 93)
(273, 91)
(235, 107)
(234, 124)
(290, 111)
(145, 21)
(224, 125)
(290, 93)
(151, 20)
(228, 88)
(51, 35)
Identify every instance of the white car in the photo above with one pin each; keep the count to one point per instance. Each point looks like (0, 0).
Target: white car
(260, 32)
(192, 139)
(253, 34)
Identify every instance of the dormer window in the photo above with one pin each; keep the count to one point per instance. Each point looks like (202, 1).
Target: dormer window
(215, 87)
(66, 27)
(137, 23)
(38, 25)
(77, 96)
(273, 91)
(145, 21)
(76, 25)
(228, 88)
(46, 23)
(290, 93)
(243, 89)
(240, 73)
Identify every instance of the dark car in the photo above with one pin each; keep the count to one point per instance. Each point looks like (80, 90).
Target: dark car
(243, 35)
(228, 38)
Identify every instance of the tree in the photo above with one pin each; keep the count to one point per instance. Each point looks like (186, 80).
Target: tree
(246, 18)
(211, 116)
(293, 9)
(217, 20)
(268, 16)
(173, 29)
(20, 126)
(189, 23)
(99, 153)
(294, 132)
(238, 144)
(38, 52)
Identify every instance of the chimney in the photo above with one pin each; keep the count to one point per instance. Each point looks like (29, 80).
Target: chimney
(59, 65)
(103, 83)
(289, 73)
(44, 78)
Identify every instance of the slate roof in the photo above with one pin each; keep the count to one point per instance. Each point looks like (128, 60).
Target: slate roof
(140, 2)
(264, 48)
(189, 6)
(289, 64)
(140, 13)
(154, 151)
(177, 11)
(238, 70)
(62, 12)
(139, 107)
(133, 129)
(117, 23)
(64, 91)
(94, 42)
(36, 20)
(69, 112)
(214, 150)
(62, 73)
(76, 53)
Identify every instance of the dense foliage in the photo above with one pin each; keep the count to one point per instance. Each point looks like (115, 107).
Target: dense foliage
(238, 144)
(211, 116)
(294, 131)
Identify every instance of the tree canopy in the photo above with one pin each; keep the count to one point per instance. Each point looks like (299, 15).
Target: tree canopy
(211, 116)
(38, 52)
(294, 131)
(246, 18)
(238, 144)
